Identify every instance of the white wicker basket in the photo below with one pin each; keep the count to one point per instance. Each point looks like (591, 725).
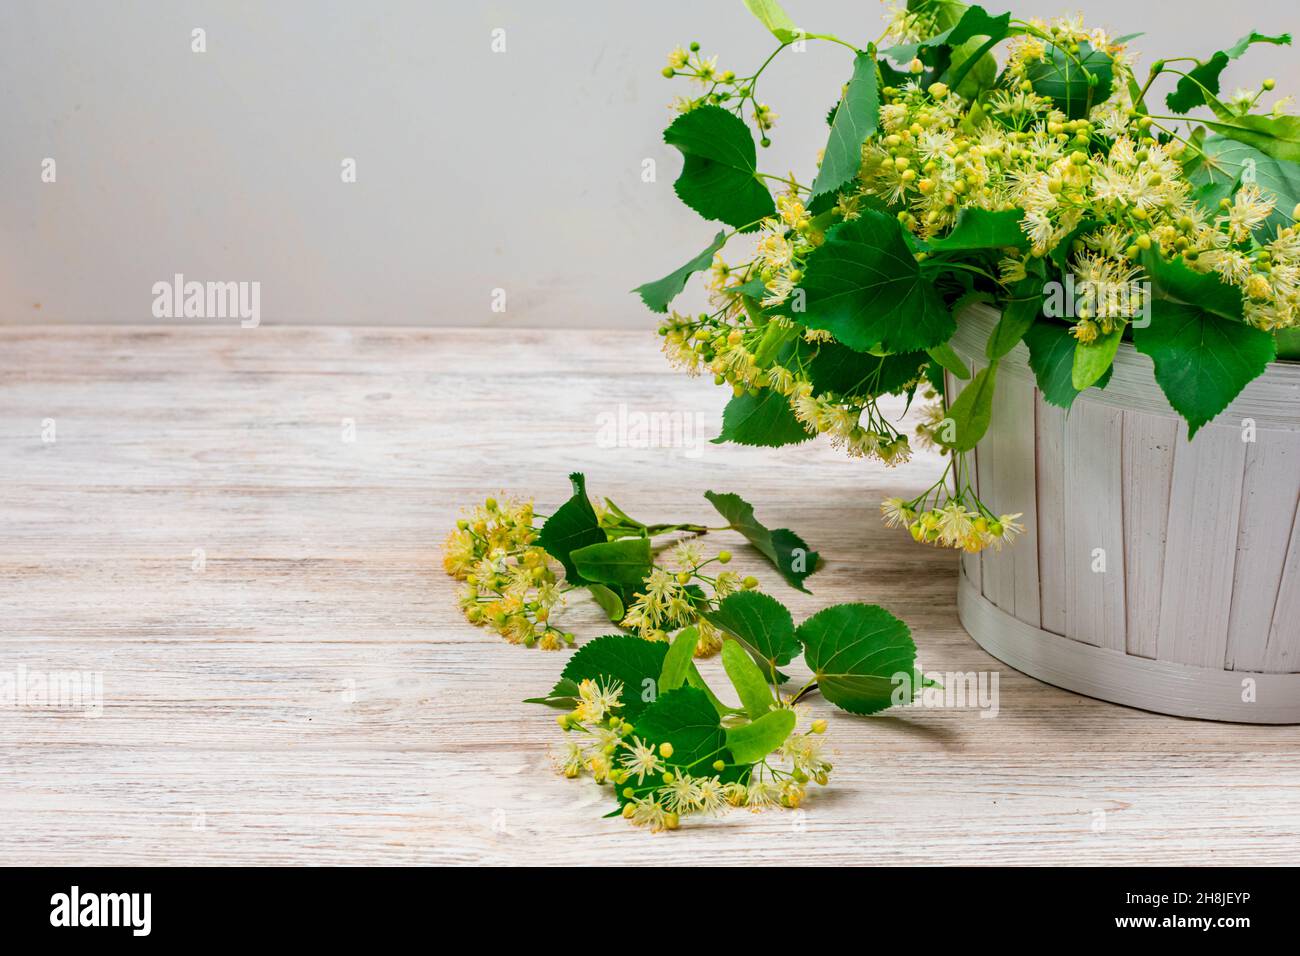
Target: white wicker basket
(1197, 612)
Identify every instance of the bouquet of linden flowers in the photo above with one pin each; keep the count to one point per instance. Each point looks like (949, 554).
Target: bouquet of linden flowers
(979, 157)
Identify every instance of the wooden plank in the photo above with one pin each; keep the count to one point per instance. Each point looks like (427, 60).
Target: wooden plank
(1270, 487)
(1094, 527)
(1009, 486)
(1148, 468)
(312, 695)
(1200, 549)
(1282, 655)
(1051, 508)
(970, 563)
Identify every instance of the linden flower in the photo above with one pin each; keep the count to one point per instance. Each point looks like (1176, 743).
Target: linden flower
(686, 556)
(896, 513)
(596, 700)
(682, 795)
(647, 812)
(1004, 531)
(711, 637)
(710, 796)
(1250, 209)
(574, 760)
(641, 759)
(955, 523)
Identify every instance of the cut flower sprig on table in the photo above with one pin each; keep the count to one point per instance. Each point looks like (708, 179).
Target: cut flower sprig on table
(641, 575)
(978, 157)
(637, 713)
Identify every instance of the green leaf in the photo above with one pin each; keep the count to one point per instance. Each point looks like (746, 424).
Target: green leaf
(1288, 344)
(762, 625)
(1277, 136)
(762, 418)
(1018, 315)
(750, 743)
(755, 694)
(609, 602)
(856, 118)
(718, 173)
(1092, 360)
(849, 373)
(684, 718)
(982, 229)
(1204, 355)
(864, 286)
(1051, 356)
(625, 562)
(771, 15)
(786, 551)
(678, 660)
(656, 295)
(1203, 79)
(973, 409)
(947, 356)
(970, 57)
(617, 658)
(573, 525)
(564, 696)
(1064, 78)
(856, 653)
(1229, 162)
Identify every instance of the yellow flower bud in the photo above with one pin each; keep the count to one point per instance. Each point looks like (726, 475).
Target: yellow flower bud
(666, 749)
(819, 726)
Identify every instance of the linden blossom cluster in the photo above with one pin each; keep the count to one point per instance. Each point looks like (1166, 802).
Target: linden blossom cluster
(1008, 178)
(666, 604)
(509, 584)
(657, 797)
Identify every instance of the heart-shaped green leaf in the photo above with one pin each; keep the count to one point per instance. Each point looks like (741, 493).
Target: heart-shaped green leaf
(762, 625)
(761, 418)
(623, 659)
(1204, 355)
(718, 173)
(864, 287)
(858, 654)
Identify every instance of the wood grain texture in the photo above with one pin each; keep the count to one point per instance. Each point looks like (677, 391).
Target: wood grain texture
(1007, 456)
(1148, 471)
(1094, 527)
(1051, 508)
(313, 696)
(1204, 508)
(1272, 474)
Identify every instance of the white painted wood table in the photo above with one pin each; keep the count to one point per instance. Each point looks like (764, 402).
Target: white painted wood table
(308, 693)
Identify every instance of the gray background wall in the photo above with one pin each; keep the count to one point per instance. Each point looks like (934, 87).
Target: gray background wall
(476, 170)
